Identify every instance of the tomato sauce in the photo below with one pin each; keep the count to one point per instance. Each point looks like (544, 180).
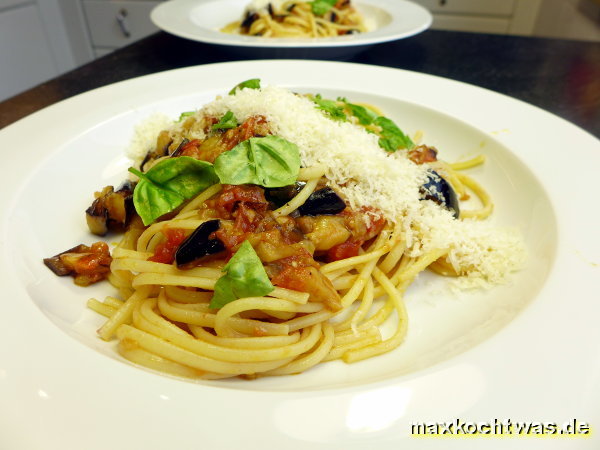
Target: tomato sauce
(165, 251)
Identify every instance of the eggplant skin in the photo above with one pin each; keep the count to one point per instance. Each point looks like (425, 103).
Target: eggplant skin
(56, 265)
(179, 148)
(250, 18)
(281, 195)
(97, 219)
(438, 190)
(111, 210)
(323, 201)
(87, 264)
(198, 245)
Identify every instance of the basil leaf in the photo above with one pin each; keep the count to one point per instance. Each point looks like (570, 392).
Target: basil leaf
(183, 115)
(168, 184)
(227, 121)
(253, 83)
(322, 7)
(391, 137)
(365, 116)
(268, 161)
(331, 107)
(244, 276)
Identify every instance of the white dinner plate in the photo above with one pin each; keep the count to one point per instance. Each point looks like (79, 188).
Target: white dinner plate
(525, 351)
(201, 20)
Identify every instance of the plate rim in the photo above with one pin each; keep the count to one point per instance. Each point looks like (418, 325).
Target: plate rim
(473, 363)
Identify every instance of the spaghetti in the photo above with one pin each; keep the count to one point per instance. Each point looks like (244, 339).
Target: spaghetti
(299, 19)
(334, 268)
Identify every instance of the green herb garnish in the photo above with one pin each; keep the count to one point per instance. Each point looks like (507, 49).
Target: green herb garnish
(331, 107)
(268, 161)
(244, 276)
(183, 115)
(227, 121)
(391, 137)
(168, 184)
(364, 115)
(253, 83)
(322, 7)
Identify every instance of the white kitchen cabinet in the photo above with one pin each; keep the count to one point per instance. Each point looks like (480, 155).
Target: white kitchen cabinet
(477, 7)
(486, 16)
(4, 4)
(471, 23)
(115, 23)
(26, 56)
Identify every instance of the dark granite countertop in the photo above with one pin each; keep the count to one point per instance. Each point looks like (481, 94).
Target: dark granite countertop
(560, 76)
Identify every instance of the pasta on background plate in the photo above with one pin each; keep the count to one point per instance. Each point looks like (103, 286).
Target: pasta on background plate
(269, 232)
(298, 19)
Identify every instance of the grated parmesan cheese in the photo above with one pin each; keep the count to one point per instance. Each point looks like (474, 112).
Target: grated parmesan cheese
(144, 137)
(368, 176)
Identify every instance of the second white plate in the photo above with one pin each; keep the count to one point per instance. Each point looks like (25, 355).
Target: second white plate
(201, 20)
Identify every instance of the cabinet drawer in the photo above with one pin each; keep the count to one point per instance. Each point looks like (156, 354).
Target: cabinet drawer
(117, 23)
(479, 7)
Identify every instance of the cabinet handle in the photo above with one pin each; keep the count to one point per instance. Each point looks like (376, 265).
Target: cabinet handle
(122, 22)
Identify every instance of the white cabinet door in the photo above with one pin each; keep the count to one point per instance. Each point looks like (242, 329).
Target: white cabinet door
(8, 3)
(26, 57)
(117, 23)
(479, 7)
(485, 16)
(471, 23)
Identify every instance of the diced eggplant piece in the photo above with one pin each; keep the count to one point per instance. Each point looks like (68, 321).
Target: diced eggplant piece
(249, 19)
(111, 210)
(86, 264)
(274, 16)
(198, 244)
(56, 265)
(423, 154)
(438, 190)
(179, 148)
(97, 219)
(146, 159)
(323, 201)
(163, 141)
(281, 195)
(324, 231)
(127, 186)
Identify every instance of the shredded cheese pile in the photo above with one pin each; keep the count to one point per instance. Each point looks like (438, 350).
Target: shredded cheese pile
(145, 133)
(369, 176)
